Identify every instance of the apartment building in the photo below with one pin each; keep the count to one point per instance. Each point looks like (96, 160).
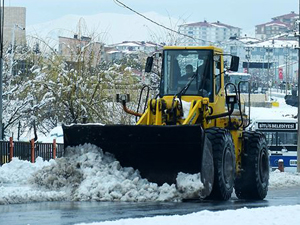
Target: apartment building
(205, 33)
(278, 25)
(81, 48)
(270, 61)
(134, 46)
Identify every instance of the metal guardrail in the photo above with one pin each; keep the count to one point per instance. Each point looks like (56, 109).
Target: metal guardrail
(29, 150)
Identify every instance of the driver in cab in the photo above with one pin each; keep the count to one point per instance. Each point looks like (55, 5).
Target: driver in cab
(186, 78)
(188, 73)
(196, 86)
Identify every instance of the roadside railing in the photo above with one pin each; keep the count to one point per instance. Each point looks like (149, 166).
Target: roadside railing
(29, 150)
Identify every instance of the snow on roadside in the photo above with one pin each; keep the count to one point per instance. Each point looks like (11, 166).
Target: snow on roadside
(275, 215)
(285, 179)
(280, 112)
(86, 174)
(89, 175)
(189, 185)
(26, 194)
(18, 171)
(15, 184)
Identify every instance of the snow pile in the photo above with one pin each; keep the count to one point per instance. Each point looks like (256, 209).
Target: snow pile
(189, 184)
(19, 171)
(91, 175)
(279, 179)
(87, 174)
(15, 186)
(275, 215)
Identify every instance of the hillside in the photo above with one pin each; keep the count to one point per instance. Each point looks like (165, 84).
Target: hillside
(110, 27)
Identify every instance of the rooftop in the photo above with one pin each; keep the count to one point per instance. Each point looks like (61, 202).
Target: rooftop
(197, 24)
(277, 43)
(274, 23)
(292, 14)
(218, 23)
(207, 24)
(136, 43)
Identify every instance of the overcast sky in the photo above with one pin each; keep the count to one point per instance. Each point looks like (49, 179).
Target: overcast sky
(241, 13)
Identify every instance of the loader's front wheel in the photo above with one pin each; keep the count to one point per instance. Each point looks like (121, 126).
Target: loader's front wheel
(253, 180)
(224, 163)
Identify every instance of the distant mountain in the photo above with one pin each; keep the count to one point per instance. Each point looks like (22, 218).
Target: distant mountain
(110, 27)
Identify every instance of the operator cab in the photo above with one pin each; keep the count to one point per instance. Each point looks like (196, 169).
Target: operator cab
(188, 71)
(184, 67)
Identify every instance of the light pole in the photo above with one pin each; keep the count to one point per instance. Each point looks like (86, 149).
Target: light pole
(286, 69)
(271, 80)
(263, 80)
(269, 50)
(248, 56)
(1, 91)
(13, 46)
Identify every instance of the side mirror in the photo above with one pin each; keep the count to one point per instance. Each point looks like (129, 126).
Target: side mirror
(149, 64)
(234, 65)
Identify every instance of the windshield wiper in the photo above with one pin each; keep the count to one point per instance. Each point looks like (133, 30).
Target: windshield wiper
(186, 87)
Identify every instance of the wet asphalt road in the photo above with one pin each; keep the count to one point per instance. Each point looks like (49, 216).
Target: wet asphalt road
(62, 213)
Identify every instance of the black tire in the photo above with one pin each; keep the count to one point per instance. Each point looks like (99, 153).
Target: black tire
(253, 180)
(224, 163)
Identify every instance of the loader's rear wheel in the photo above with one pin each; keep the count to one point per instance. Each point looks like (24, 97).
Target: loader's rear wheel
(253, 180)
(224, 163)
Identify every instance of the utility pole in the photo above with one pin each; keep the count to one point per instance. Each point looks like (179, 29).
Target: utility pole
(298, 141)
(1, 93)
(270, 86)
(274, 67)
(248, 56)
(270, 81)
(1, 67)
(263, 70)
(287, 80)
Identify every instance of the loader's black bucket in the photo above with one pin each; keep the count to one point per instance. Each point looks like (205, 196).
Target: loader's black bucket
(158, 152)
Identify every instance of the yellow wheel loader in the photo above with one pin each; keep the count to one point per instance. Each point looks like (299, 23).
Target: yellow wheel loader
(194, 125)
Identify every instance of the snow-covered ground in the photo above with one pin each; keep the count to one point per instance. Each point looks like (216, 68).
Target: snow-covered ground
(282, 111)
(89, 175)
(259, 216)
